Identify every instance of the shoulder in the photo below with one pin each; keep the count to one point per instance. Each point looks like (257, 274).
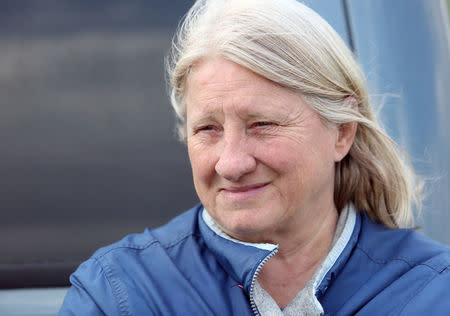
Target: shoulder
(390, 272)
(151, 248)
(411, 247)
(410, 272)
(175, 231)
(119, 276)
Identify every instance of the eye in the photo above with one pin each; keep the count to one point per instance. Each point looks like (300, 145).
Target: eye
(262, 124)
(204, 128)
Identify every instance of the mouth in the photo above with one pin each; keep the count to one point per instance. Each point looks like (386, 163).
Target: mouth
(241, 193)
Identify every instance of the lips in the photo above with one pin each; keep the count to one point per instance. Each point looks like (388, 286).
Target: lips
(241, 193)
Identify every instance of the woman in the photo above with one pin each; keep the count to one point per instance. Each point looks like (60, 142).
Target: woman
(301, 191)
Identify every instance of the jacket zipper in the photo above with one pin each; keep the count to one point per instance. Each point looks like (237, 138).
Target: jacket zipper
(255, 276)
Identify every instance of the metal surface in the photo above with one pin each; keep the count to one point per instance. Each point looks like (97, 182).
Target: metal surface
(334, 12)
(404, 47)
(31, 302)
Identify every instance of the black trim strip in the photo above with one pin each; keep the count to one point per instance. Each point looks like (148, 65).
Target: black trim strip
(35, 275)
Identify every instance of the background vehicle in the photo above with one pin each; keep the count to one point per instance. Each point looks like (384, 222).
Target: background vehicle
(89, 152)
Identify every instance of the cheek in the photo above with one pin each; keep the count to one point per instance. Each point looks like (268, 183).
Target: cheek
(297, 162)
(280, 155)
(202, 164)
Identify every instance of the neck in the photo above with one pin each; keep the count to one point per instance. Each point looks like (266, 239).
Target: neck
(299, 257)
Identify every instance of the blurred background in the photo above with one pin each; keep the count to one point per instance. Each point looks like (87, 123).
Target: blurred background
(88, 146)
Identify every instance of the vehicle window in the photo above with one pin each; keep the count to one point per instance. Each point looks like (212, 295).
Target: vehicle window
(87, 132)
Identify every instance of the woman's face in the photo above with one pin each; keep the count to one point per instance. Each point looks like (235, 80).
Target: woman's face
(262, 160)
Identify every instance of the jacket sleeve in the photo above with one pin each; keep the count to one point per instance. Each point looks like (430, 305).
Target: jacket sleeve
(91, 293)
(433, 298)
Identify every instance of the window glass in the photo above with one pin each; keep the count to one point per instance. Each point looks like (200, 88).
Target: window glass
(89, 152)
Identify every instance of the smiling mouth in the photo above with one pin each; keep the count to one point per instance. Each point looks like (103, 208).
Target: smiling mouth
(243, 192)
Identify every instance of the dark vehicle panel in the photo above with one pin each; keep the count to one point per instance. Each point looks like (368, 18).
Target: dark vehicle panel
(89, 152)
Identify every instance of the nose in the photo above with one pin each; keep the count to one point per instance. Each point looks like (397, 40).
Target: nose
(235, 159)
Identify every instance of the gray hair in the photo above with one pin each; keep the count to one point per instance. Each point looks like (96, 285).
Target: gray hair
(291, 45)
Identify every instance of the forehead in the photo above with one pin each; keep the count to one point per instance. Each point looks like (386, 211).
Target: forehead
(216, 82)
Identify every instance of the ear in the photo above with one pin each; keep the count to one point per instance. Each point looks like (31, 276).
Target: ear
(346, 133)
(344, 140)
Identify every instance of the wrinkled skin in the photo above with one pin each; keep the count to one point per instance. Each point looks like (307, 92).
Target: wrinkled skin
(262, 159)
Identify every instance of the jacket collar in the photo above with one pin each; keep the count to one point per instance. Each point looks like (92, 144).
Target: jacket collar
(241, 260)
(339, 255)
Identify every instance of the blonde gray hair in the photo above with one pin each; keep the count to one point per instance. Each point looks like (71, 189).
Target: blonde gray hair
(291, 45)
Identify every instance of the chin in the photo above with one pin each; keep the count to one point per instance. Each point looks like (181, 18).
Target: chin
(246, 227)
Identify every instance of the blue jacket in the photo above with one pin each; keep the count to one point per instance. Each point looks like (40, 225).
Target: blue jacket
(184, 268)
